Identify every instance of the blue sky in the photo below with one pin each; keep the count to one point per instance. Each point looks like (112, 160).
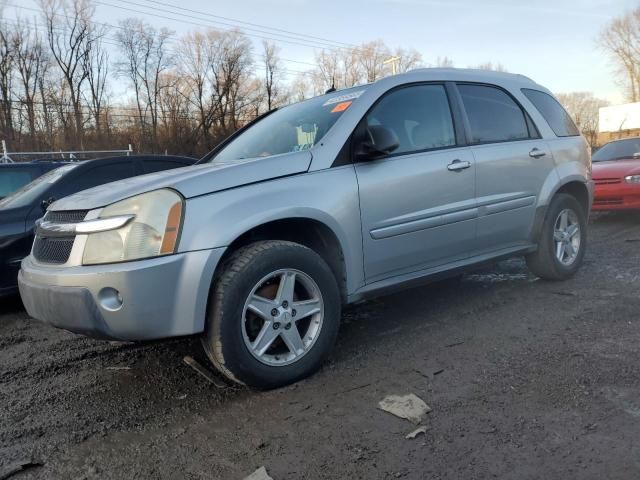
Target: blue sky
(553, 42)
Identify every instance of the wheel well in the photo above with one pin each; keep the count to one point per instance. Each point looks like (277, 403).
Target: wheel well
(579, 191)
(310, 233)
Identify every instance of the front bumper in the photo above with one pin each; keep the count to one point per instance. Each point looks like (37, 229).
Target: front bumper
(618, 196)
(161, 297)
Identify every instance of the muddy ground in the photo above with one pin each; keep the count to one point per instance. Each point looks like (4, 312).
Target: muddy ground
(527, 379)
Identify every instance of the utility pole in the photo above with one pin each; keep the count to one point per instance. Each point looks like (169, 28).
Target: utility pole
(394, 61)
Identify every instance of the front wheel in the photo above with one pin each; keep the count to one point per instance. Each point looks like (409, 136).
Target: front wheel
(274, 314)
(562, 242)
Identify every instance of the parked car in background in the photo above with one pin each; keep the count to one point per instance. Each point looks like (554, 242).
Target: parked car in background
(616, 173)
(14, 176)
(318, 204)
(19, 211)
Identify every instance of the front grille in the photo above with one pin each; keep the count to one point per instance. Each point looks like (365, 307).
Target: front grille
(52, 250)
(66, 216)
(607, 181)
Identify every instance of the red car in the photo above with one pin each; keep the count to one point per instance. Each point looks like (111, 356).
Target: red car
(616, 173)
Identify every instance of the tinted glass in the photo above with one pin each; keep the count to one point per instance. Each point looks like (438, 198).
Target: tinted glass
(419, 116)
(556, 116)
(11, 179)
(92, 177)
(493, 115)
(290, 129)
(37, 190)
(160, 165)
(619, 150)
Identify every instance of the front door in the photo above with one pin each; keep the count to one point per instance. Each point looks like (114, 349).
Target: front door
(417, 204)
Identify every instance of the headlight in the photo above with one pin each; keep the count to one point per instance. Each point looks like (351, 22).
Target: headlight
(632, 179)
(154, 230)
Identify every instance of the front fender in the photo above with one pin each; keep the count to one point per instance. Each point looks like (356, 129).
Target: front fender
(327, 196)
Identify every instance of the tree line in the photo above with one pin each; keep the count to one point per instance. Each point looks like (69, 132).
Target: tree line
(69, 82)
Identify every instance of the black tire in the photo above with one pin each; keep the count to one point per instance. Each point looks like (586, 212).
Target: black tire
(544, 262)
(223, 339)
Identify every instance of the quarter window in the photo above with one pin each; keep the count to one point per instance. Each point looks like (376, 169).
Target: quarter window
(493, 115)
(556, 116)
(419, 115)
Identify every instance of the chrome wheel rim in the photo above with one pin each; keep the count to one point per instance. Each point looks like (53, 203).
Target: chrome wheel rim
(567, 237)
(282, 317)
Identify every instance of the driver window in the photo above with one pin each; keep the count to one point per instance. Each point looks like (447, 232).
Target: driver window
(419, 115)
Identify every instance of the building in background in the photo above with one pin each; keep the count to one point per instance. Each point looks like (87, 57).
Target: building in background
(618, 121)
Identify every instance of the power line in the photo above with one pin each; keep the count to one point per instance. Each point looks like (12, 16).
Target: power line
(108, 25)
(200, 12)
(297, 38)
(308, 45)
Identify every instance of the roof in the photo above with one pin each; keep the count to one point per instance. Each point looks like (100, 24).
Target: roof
(474, 74)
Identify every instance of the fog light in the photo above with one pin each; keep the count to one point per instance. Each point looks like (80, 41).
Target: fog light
(110, 299)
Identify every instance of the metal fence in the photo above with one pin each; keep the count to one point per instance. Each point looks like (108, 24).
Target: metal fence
(12, 157)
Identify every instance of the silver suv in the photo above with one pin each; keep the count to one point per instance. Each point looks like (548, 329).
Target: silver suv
(313, 206)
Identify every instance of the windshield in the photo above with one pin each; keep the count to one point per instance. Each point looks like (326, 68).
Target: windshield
(291, 129)
(34, 190)
(621, 149)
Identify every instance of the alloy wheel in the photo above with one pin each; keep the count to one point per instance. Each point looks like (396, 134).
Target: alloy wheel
(567, 237)
(282, 317)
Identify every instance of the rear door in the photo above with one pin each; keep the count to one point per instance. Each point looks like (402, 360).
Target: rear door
(512, 163)
(417, 204)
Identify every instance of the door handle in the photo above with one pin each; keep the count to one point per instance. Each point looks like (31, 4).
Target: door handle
(537, 153)
(458, 165)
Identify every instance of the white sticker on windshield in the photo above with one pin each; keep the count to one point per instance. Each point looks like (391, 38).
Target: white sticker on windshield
(343, 98)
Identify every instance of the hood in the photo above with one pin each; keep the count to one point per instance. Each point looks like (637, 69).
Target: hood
(615, 169)
(190, 181)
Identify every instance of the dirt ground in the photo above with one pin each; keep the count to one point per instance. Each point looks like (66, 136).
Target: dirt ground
(527, 379)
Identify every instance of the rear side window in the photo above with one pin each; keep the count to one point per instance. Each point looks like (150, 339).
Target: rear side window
(419, 115)
(13, 179)
(493, 115)
(555, 115)
(92, 177)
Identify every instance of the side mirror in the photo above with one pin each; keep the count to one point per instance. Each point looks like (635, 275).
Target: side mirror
(636, 155)
(378, 141)
(44, 204)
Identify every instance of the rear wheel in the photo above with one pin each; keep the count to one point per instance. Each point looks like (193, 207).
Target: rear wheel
(274, 314)
(562, 241)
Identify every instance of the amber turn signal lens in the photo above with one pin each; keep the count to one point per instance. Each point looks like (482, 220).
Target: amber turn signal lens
(171, 231)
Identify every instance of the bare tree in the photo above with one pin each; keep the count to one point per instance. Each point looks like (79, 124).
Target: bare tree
(146, 58)
(496, 67)
(230, 68)
(272, 73)
(97, 67)
(444, 62)
(409, 59)
(68, 28)
(327, 74)
(31, 64)
(621, 39)
(584, 108)
(194, 66)
(7, 59)
(370, 56)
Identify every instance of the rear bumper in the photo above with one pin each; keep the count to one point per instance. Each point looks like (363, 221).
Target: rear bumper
(161, 297)
(619, 196)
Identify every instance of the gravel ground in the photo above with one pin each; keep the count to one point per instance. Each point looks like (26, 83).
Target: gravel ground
(527, 379)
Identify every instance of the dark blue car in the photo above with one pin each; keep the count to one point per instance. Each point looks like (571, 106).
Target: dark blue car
(20, 210)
